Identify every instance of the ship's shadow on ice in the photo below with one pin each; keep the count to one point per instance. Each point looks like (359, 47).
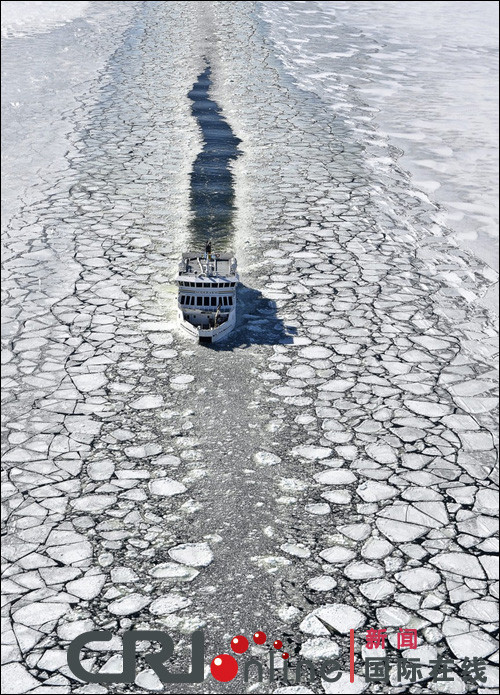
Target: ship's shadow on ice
(257, 323)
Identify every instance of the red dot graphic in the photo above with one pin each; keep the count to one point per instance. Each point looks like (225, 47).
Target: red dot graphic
(278, 644)
(239, 644)
(224, 668)
(285, 655)
(259, 637)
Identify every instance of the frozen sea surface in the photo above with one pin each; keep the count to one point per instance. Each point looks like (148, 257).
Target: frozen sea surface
(21, 18)
(425, 76)
(334, 461)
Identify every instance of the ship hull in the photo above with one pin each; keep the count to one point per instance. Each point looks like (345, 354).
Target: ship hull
(207, 335)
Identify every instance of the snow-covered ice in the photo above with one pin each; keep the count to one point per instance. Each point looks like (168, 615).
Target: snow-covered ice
(22, 18)
(154, 482)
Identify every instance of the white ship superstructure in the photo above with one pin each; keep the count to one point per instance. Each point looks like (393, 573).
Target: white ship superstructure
(207, 284)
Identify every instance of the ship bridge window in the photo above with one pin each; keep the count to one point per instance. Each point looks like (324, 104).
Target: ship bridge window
(206, 301)
(213, 301)
(182, 299)
(199, 301)
(199, 284)
(230, 300)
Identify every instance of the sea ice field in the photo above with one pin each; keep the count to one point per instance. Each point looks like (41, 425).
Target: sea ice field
(335, 461)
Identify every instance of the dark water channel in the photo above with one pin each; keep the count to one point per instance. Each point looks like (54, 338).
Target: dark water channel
(212, 192)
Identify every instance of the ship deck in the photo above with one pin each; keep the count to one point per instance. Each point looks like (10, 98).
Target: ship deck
(221, 264)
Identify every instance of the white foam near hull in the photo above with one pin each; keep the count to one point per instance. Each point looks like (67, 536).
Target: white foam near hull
(209, 335)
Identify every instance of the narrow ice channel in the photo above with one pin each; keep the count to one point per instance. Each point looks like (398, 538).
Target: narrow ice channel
(212, 192)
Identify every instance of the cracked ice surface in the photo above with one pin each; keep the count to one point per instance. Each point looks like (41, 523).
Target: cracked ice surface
(378, 57)
(153, 483)
(376, 414)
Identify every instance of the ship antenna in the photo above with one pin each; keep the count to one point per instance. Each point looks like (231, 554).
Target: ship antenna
(208, 251)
